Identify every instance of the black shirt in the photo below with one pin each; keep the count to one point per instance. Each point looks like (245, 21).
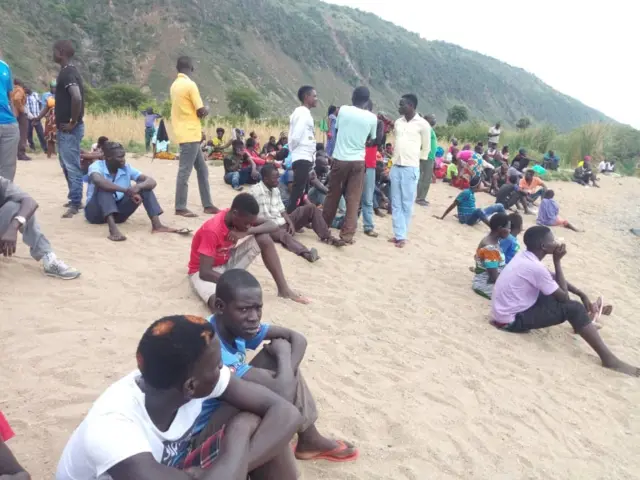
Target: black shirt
(524, 162)
(507, 195)
(67, 77)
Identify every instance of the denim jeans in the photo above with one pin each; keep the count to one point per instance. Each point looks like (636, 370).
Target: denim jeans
(368, 199)
(482, 214)
(536, 195)
(241, 177)
(69, 156)
(404, 183)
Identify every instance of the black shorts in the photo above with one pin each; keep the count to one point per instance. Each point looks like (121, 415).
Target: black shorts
(547, 312)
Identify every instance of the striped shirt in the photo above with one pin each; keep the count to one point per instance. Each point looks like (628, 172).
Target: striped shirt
(33, 105)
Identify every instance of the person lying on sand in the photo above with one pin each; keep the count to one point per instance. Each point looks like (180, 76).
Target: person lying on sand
(10, 468)
(548, 213)
(526, 296)
(237, 325)
(468, 214)
(17, 214)
(215, 249)
(142, 426)
(111, 198)
(489, 257)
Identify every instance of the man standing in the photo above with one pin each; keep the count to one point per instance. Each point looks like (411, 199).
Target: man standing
(69, 114)
(494, 136)
(302, 144)
(33, 111)
(413, 144)
(187, 109)
(149, 126)
(355, 123)
(426, 166)
(9, 132)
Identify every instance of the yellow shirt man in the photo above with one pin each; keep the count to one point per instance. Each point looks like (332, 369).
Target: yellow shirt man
(185, 102)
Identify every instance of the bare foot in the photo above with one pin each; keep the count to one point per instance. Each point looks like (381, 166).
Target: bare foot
(71, 211)
(335, 451)
(401, 243)
(186, 213)
(117, 237)
(311, 256)
(622, 367)
(212, 210)
(291, 295)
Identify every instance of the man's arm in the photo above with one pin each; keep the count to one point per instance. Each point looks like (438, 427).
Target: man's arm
(198, 104)
(144, 182)
(297, 340)
(425, 135)
(10, 469)
(283, 380)
(104, 184)
(562, 294)
(263, 226)
(207, 273)
(451, 207)
(76, 102)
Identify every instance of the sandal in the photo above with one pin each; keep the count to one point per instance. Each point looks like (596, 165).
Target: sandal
(371, 233)
(332, 455)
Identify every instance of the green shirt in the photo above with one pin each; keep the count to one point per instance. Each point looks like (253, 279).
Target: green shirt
(434, 145)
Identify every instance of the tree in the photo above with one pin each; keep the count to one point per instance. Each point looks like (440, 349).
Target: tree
(457, 114)
(244, 101)
(118, 97)
(523, 123)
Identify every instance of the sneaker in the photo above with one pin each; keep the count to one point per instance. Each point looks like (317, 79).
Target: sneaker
(54, 267)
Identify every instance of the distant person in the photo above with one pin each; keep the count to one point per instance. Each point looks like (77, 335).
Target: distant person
(607, 167)
(413, 143)
(149, 126)
(33, 112)
(510, 195)
(584, 174)
(499, 178)
(494, 136)
(302, 144)
(48, 112)
(17, 215)
(527, 297)
(532, 186)
(550, 160)
(69, 111)
(505, 153)
(239, 167)
(465, 202)
(271, 147)
(510, 245)
(427, 166)
(368, 204)
(331, 134)
(186, 111)
(355, 125)
(523, 160)
(9, 130)
(489, 257)
(19, 100)
(548, 213)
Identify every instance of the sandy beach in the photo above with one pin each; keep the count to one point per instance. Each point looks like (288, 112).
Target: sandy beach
(401, 357)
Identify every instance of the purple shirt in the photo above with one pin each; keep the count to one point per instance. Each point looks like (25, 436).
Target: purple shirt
(548, 212)
(518, 287)
(149, 120)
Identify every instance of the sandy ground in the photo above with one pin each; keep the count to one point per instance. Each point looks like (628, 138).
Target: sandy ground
(401, 358)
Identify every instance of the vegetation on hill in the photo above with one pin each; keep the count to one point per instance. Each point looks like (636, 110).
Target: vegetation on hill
(272, 47)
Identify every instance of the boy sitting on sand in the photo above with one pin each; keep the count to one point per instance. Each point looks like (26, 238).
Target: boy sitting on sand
(548, 213)
(237, 324)
(468, 214)
(510, 245)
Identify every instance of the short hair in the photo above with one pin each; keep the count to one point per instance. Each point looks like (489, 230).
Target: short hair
(111, 148)
(304, 91)
(237, 143)
(534, 236)
(170, 347)
(268, 169)
(65, 47)
(513, 179)
(251, 142)
(220, 129)
(549, 194)
(499, 220)
(319, 146)
(360, 96)
(516, 221)
(233, 280)
(102, 141)
(332, 110)
(475, 181)
(184, 63)
(389, 144)
(411, 98)
(246, 204)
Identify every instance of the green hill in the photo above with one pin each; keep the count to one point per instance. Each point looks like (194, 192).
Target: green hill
(274, 46)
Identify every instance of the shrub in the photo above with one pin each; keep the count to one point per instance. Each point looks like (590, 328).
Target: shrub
(244, 101)
(457, 114)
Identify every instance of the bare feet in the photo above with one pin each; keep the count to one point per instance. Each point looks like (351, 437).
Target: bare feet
(291, 295)
(71, 211)
(332, 451)
(392, 240)
(186, 213)
(401, 243)
(311, 256)
(622, 367)
(211, 210)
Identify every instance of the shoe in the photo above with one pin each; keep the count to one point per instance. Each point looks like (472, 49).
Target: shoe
(24, 158)
(54, 267)
(422, 203)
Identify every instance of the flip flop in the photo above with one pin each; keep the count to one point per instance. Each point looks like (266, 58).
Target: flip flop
(183, 231)
(330, 455)
(599, 305)
(186, 213)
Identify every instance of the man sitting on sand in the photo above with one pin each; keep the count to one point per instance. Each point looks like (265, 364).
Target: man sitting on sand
(17, 211)
(111, 198)
(237, 325)
(532, 186)
(585, 174)
(468, 214)
(526, 296)
(510, 195)
(142, 426)
(267, 194)
(239, 167)
(215, 249)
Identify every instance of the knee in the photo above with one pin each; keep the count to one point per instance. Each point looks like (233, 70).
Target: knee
(575, 309)
(264, 240)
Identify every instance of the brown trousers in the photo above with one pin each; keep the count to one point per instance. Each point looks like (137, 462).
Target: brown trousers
(303, 401)
(301, 217)
(345, 178)
(23, 125)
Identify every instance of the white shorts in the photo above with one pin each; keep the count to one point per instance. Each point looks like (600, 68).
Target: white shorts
(242, 255)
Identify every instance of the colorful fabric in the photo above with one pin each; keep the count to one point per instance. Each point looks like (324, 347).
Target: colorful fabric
(452, 171)
(205, 454)
(50, 128)
(19, 99)
(509, 247)
(548, 212)
(434, 145)
(33, 105)
(487, 257)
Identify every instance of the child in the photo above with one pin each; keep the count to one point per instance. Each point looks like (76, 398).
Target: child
(510, 245)
(548, 213)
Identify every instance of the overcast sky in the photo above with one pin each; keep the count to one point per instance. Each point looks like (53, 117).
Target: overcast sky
(587, 50)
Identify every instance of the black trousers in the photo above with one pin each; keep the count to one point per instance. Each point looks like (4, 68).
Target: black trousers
(301, 170)
(547, 312)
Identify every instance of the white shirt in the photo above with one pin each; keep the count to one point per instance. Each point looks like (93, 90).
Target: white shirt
(494, 135)
(118, 427)
(413, 141)
(302, 135)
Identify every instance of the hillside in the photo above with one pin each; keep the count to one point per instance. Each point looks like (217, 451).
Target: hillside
(274, 46)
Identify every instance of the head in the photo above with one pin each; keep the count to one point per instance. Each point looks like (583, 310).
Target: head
(454, 142)
(475, 183)
(528, 175)
(63, 52)
(466, 146)
(251, 143)
(540, 241)
(178, 353)
(270, 176)
(220, 133)
(504, 168)
(244, 211)
(238, 304)
(360, 97)
(319, 146)
(322, 163)
(552, 153)
(185, 65)
(485, 157)
(513, 179)
(498, 125)
(500, 225)
(101, 141)
(431, 118)
(238, 147)
(505, 150)
(332, 110)
(272, 140)
(516, 223)
(587, 161)
(549, 194)
(114, 155)
(407, 105)
(150, 111)
(389, 148)
(308, 96)
(479, 148)
(52, 87)
(522, 152)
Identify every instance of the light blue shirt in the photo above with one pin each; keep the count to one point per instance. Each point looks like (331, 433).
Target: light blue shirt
(123, 177)
(6, 87)
(354, 126)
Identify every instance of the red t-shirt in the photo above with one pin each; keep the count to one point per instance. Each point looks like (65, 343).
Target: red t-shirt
(6, 433)
(211, 240)
(370, 154)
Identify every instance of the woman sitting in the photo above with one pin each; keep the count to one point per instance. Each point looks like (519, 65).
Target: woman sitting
(489, 257)
(160, 143)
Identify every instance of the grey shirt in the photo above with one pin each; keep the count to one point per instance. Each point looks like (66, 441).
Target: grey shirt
(10, 192)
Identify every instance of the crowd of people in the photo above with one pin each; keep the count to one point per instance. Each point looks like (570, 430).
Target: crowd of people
(194, 407)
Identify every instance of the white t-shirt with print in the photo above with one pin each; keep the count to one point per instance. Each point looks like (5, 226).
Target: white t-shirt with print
(118, 427)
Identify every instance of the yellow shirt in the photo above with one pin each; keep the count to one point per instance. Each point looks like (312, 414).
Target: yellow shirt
(185, 102)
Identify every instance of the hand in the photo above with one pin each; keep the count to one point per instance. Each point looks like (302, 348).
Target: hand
(560, 252)
(291, 228)
(67, 127)
(278, 347)
(8, 241)
(591, 308)
(235, 236)
(255, 175)
(137, 199)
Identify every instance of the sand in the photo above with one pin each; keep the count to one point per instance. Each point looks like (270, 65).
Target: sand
(401, 358)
